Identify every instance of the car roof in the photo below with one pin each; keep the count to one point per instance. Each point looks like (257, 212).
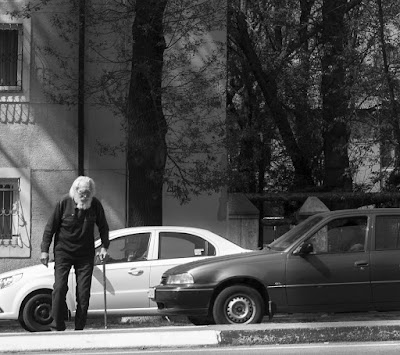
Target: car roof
(161, 228)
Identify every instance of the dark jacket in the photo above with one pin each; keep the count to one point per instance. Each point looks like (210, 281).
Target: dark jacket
(73, 229)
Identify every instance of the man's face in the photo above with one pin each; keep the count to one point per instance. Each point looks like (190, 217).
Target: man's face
(83, 197)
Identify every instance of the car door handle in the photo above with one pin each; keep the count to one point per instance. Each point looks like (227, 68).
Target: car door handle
(361, 263)
(135, 272)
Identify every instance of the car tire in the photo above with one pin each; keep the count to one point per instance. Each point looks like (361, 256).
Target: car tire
(22, 324)
(201, 320)
(36, 314)
(238, 304)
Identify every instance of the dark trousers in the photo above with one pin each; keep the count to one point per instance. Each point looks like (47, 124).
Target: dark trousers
(83, 273)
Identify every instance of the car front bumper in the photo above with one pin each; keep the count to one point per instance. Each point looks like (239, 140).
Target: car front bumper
(172, 300)
(8, 302)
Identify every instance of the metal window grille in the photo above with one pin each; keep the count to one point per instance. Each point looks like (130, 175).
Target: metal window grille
(9, 210)
(11, 57)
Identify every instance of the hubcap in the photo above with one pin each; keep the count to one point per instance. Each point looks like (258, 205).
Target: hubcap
(42, 313)
(240, 309)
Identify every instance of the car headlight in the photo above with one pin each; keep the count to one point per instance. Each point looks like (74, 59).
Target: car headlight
(9, 280)
(184, 278)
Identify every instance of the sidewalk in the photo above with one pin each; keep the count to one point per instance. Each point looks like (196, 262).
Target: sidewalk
(304, 329)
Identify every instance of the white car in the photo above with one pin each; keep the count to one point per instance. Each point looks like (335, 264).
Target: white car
(138, 257)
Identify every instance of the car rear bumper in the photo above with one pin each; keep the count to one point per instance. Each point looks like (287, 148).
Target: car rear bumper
(183, 301)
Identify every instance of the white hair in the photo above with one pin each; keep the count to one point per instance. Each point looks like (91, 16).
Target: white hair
(82, 181)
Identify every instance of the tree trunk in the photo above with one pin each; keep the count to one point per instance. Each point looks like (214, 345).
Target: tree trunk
(334, 97)
(147, 127)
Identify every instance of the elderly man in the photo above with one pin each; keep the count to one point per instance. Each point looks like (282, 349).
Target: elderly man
(72, 225)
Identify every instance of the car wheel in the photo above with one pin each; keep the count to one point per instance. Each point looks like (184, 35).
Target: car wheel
(201, 320)
(238, 305)
(22, 324)
(36, 314)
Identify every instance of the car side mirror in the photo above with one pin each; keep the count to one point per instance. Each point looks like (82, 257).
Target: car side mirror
(304, 249)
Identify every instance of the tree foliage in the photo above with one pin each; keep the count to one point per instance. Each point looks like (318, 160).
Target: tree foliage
(312, 93)
(316, 74)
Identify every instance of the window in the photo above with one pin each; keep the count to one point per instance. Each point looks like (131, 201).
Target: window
(393, 57)
(183, 245)
(343, 235)
(15, 213)
(387, 233)
(9, 211)
(11, 36)
(295, 233)
(133, 247)
(387, 152)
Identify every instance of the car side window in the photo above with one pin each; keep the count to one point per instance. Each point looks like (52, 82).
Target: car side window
(342, 235)
(183, 245)
(132, 247)
(387, 233)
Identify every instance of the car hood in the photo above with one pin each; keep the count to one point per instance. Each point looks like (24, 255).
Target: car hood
(216, 262)
(34, 271)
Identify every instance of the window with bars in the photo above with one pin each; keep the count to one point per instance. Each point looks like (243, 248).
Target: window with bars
(9, 210)
(11, 57)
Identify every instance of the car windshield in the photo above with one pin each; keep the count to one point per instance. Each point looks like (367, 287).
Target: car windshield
(287, 239)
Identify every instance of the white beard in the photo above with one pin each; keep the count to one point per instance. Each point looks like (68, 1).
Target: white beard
(83, 205)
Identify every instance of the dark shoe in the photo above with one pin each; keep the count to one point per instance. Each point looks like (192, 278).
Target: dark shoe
(54, 328)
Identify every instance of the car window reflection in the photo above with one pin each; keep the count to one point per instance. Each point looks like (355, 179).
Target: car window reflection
(132, 247)
(183, 245)
(387, 233)
(287, 239)
(343, 235)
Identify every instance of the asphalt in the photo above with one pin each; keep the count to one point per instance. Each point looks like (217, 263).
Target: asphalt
(156, 332)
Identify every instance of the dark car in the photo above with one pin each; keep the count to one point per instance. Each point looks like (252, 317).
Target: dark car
(338, 261)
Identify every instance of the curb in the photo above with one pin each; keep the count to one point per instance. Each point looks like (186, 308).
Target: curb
(201, 336)
(315, 333)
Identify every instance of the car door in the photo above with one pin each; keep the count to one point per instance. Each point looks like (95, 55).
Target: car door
(385, 262)
(176, 248)
(337, 273)
(127, 275)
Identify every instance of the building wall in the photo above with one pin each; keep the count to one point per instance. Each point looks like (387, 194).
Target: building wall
(369, 166)
(39, 145)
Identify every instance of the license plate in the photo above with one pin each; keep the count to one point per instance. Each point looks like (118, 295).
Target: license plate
(151, 293)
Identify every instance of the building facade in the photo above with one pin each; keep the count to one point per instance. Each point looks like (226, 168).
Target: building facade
(39, 144)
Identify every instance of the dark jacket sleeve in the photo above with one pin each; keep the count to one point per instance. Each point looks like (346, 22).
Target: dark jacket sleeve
(51, 228)
(102, 224)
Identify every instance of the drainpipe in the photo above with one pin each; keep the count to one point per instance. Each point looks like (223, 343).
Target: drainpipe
(81, 88)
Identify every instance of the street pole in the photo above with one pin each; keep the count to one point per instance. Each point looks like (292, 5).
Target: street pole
(81, 88)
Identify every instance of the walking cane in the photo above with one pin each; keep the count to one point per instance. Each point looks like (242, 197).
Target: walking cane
(103, 261)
